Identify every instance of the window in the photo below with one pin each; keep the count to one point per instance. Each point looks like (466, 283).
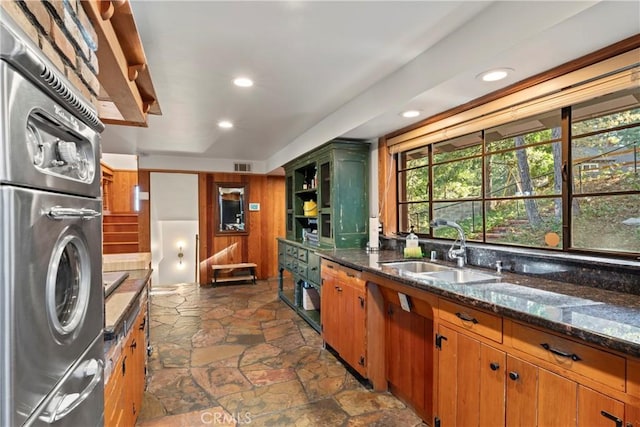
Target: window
(413, 190)
(505, 184)
(457, 185)
(605, 148)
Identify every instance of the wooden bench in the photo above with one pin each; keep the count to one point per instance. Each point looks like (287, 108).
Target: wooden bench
(249, 266)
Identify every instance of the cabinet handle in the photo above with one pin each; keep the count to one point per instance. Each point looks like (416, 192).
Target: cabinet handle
(144, 322)
(329, 265)
(314, 268)
(612, 417)
(338, 288)
(133, 345)
(350, 274)
(466, 318)
(514, 375)
(494, 366)
(124, 365)
(571, 356)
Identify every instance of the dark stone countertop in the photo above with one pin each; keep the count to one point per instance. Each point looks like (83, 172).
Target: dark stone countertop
(602, 317)
(122, 299)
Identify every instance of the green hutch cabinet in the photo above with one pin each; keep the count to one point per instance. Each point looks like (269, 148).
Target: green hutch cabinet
(327, 207)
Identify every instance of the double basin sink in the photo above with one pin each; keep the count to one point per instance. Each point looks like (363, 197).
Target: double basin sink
(429, 271)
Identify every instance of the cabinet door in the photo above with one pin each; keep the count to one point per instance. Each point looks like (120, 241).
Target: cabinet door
(522, 387)
(470, 381)
(352, 331)
(492, 386)
(597, 410)
(409, 340)
(557, 397)
(533, 396)
(350, 199)
(330, 309)
(632, 415)
(138, 358)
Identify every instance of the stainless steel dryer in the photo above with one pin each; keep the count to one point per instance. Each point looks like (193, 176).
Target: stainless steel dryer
(51, 294)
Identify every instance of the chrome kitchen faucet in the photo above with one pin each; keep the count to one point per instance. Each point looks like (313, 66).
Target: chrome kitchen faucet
(460, 254)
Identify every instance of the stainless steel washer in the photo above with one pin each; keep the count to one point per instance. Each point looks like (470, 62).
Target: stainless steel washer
(51, 293)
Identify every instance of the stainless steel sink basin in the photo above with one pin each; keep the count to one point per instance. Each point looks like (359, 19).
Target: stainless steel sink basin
(415, 266)
(460, 276)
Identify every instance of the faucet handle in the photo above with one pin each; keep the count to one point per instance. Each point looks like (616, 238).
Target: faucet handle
(499, 266)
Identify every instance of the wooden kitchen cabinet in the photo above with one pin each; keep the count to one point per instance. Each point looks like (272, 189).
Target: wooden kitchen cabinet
(534, 378)
(532, 397)
(471, 381)
(124, 390)
(410, 358)
(343, 311)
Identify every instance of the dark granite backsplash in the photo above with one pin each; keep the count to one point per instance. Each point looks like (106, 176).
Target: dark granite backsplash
(604, 273)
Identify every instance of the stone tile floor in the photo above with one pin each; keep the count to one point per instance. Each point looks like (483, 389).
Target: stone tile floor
(237, 355)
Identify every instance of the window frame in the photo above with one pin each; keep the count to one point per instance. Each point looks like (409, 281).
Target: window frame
(566, 194)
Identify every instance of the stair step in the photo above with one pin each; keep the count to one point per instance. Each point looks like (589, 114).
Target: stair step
(119, 248)
(119, 236)
(120, 218)
(131, 228)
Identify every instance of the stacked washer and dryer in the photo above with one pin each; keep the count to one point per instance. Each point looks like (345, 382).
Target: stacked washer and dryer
(51, 293)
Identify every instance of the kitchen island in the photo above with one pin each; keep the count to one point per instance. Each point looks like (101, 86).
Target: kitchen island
(504, 349)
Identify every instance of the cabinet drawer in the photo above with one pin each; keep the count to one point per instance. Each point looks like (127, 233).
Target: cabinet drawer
(291, 251)
(330, 269)
(289, 263)
(596, 364)
(476, 321)
(314, 268)
(352, 278)
(302, 255)
(302, 270)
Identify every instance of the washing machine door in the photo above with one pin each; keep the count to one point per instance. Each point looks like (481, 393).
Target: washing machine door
(68, 285)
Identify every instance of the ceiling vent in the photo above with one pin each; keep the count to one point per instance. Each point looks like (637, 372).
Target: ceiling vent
(242, 167)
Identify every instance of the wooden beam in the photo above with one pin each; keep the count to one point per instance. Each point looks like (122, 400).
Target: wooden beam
(125, 27)
(124, 74)
(114, 68)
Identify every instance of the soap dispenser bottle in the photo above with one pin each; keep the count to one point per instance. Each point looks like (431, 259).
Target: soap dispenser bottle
(412, 249)
(412, 239)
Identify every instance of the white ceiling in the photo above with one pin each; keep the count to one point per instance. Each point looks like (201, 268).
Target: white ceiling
(329, 69)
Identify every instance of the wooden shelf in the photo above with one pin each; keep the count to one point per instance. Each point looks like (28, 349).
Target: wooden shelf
(124, 75)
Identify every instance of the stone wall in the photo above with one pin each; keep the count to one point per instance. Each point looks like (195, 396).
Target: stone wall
(63, 31)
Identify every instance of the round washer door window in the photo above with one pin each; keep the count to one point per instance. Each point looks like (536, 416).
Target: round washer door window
(68, 284)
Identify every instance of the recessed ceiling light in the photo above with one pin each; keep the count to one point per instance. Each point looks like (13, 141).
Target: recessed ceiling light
(243, 82)
(494, 75)
(225, 124)
(410, 113)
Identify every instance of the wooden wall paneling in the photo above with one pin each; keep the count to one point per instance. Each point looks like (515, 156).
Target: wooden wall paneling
(122, 187)
(274, 218)
(256, 187)
(144, 215)
(203, 242)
